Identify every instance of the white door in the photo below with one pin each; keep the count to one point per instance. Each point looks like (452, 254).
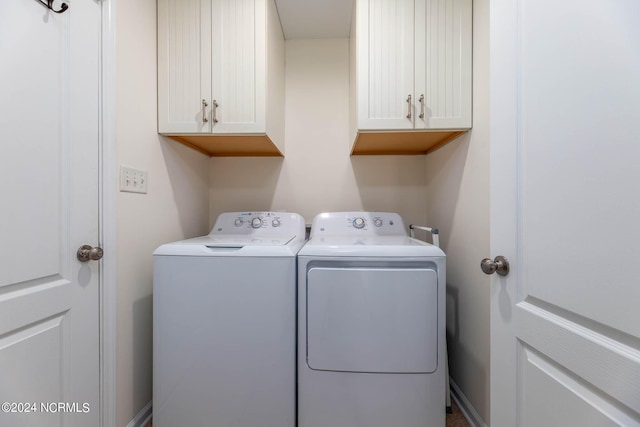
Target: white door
(565, 210)
(50, 123)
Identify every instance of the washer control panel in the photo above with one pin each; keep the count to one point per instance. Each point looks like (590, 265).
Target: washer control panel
(258, 222)
(358, 223)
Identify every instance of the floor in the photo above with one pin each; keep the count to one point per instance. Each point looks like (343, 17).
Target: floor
(455, 419)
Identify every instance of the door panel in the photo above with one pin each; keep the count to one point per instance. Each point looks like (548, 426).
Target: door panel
(372, 320)
(564, 394)
(610, 364)
(30, 95)
(49, 172)
(36, 375)
(565, 85)
(582, 112)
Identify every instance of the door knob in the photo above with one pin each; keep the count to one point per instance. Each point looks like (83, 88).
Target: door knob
(87, 253)
(499, 265)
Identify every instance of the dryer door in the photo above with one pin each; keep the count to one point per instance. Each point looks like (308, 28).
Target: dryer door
(372, 319)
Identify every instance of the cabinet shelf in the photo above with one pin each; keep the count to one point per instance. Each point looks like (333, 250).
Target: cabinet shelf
(230, 145)
(401, 142)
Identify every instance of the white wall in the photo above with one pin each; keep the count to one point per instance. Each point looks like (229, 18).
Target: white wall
(175, 207)
(458, 204)
(317, 173)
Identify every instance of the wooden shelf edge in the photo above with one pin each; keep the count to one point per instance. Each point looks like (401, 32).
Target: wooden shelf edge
(371, 143)
(230, 145)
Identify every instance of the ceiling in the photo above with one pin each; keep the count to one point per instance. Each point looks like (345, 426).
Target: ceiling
(315, 19)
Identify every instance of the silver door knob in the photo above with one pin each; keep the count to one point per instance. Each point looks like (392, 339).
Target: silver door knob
(88, 253)
(499, 265)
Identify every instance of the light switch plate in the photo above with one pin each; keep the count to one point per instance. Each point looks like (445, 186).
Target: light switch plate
(133, 180)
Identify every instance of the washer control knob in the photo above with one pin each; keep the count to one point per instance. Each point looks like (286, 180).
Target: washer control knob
(377, 222)
(275, 222)
(238, 222)
(358, 223)
(256, 222)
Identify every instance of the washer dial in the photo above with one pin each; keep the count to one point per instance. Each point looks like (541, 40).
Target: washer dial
(359, 223)
(256, 222)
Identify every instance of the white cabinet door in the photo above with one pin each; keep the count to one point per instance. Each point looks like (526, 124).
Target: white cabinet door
(49, 186)
(385, 37)
(221, 76)
(414, 64)
(184, 66)
(211, 66)
(443, 64)
(565, 323)
(238, 77)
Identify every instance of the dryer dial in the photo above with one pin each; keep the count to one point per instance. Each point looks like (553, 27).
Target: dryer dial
(256, 222)
(359, 223)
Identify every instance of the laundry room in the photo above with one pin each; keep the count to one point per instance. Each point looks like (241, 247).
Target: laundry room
(188, 190)
(540, 157)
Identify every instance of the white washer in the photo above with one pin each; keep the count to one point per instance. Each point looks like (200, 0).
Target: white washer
(371, 324)
(224, 324)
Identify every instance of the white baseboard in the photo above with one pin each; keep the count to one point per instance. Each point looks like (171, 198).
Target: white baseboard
(143, 417)
(465, 406)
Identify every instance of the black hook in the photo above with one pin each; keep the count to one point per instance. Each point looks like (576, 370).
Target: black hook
(49, 5)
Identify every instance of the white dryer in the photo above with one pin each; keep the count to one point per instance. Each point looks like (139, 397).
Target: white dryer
(224, 324)
(371, 325)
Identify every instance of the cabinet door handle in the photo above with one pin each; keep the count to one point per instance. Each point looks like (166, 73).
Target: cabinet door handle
(204, 111)
(421, 106)
(409, 107)
(214, 111)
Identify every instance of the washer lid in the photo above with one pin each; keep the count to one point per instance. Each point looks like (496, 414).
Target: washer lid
(235, 241)
(222, 245)
(245, 234)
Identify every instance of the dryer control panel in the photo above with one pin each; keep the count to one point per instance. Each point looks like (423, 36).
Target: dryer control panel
(358, 223)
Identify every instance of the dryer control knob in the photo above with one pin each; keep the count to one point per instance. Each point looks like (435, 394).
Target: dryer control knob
(359, 223)
(377, 222)
(275, 223)
(256, 223)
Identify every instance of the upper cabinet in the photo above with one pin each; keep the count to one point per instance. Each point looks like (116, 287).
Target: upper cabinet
(221, 76)
(410, 74)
